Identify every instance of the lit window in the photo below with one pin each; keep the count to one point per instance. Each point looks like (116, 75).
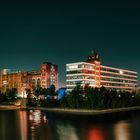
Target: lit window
(73, 67)
(121, 72)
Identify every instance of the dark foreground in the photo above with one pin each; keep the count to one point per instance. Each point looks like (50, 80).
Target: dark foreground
(42, 125)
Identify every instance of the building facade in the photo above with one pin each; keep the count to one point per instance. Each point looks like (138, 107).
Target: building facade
(13, 80)
(45, 77)
(49, 75)
(96, 75)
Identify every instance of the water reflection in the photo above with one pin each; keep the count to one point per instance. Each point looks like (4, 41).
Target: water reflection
(39, 125)
(95, 133)
(33, 125)
(37, 117)
(66, 132)
(135, 127)
(122, 131)
(9, 126)
(23, 124)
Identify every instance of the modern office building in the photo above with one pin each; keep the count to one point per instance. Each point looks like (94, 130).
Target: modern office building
(46, 76)
(96, 75)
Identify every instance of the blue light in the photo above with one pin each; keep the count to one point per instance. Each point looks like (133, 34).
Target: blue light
(61, 93)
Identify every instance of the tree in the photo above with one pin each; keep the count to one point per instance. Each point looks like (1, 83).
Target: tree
(51, 90)
(38, 91)
(74, 98)
(12, 93)
(137, 98)
(89, 97)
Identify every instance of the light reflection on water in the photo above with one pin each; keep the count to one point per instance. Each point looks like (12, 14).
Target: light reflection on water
(36, 120)
(23, 124)
(37, 117)
(95, 133)
(32, 124)
(36, 125)
(122, 130)
(66, 132)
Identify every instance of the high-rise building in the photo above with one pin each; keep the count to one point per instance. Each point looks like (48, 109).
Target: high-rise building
(96, 75)
(45, 77)
(49, 75)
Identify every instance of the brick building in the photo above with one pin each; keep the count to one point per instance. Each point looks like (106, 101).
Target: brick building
(46, 76)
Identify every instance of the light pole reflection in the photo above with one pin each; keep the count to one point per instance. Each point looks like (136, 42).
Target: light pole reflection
(95, 133)
(122, 131)
(23, 124)
(38, 125)
(66, 131)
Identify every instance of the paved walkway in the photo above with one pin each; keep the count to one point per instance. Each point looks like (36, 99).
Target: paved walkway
(85, 111)
(9, 107)
(71, 111)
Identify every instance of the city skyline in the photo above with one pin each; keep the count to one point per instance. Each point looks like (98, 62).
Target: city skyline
(65, 32)
(60, 85)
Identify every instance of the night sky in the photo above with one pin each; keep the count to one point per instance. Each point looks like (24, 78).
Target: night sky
(61, 32)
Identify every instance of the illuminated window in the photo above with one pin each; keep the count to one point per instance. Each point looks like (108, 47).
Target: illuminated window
(121, 72)
(73, 67)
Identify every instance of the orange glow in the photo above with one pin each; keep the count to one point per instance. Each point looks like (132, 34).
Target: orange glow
(23, 124)
(95, 134)
(122, 131)
(97, 73)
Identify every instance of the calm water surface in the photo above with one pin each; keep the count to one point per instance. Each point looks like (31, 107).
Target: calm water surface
(39, 125)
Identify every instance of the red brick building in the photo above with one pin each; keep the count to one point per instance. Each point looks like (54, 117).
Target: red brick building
(46, 76)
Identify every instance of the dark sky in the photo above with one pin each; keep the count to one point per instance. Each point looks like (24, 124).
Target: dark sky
(61, 32)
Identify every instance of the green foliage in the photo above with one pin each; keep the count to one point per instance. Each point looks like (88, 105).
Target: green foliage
(83, 98)
(98, 98)
(12, 93)
(74, 99)
(9, 97)
(137, 98)
(42, 97)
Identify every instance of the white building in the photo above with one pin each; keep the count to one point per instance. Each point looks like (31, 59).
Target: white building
(97, 75)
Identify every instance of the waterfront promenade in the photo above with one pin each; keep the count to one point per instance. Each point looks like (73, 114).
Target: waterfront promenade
(9, 107)
(71, 111)
(85, 111)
